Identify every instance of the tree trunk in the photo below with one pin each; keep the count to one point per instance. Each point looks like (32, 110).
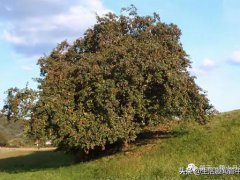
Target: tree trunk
(124, 145)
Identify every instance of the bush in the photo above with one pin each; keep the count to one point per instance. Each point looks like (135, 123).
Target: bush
(21, 141)
(3, 140)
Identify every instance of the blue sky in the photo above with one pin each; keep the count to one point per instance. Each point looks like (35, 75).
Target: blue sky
(210, 35)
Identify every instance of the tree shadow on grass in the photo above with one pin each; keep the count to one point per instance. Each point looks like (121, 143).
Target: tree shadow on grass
(35, 161)
(144, 138)
(147, 136)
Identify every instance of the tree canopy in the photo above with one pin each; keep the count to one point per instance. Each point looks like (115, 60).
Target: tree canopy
(125, 73)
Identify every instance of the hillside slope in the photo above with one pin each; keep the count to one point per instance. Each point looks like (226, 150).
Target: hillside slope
(214, 144)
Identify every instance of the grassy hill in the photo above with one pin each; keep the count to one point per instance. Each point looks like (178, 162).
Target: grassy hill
(158, 157)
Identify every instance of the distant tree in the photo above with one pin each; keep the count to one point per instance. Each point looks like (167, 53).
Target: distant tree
(3, 140)
(19, 103)
(127, 72)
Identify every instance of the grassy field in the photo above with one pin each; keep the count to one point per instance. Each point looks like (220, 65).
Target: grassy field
(158, 157)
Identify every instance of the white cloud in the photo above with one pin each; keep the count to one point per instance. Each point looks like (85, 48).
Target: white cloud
(37, 26)
(235, 57)
(205, 67)
(197, 71)
(12, 39)
(26, 68)
(208, 63)
(8, 8)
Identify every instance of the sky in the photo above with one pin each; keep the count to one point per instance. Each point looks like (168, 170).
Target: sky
(30, 29)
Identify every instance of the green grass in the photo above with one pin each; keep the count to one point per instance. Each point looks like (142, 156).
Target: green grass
(215, 144)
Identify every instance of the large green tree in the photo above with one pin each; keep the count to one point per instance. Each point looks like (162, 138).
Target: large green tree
(127, 72)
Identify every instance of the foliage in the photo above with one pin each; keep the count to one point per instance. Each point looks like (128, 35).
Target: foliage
(127, 72)
(3, 140)
(11, 130)
(19, 103)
